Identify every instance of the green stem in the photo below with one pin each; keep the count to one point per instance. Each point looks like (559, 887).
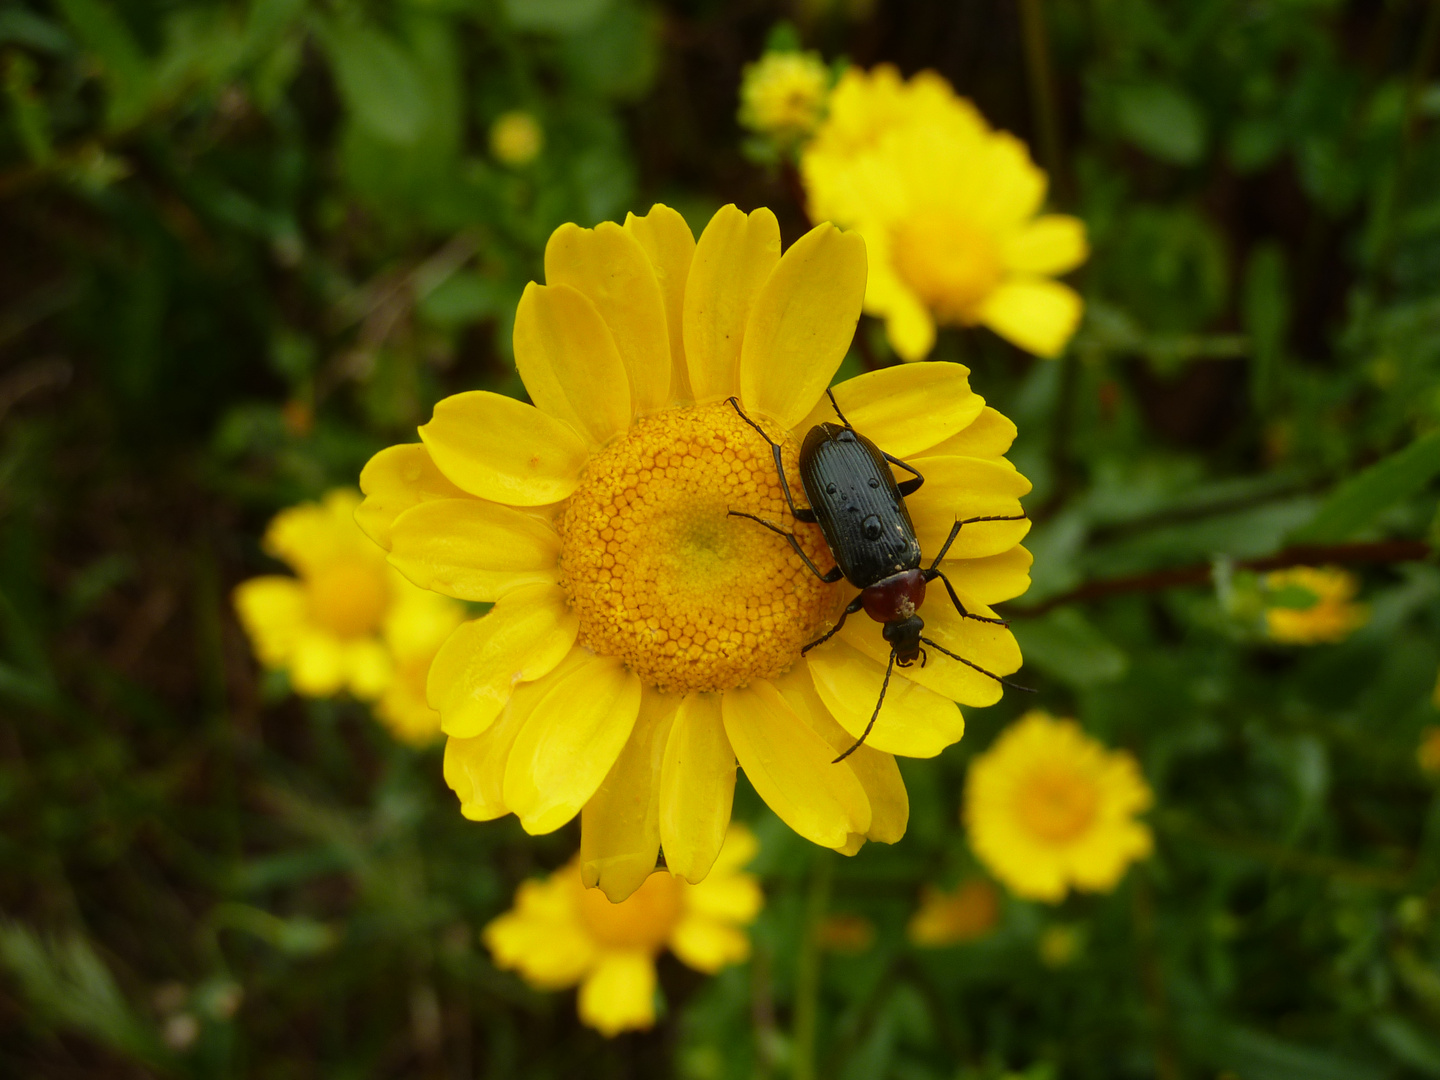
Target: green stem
(1042, 88)
(807, 975)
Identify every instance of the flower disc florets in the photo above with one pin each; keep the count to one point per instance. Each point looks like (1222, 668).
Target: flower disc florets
(663, 578)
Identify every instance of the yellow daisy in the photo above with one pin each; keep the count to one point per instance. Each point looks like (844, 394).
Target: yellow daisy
(782, 95)
(966, 913)
(1048, 807)
(644, 640)
(516, 138)
(560, 934)
(347, 621)
(1333, 615)
(948, 208)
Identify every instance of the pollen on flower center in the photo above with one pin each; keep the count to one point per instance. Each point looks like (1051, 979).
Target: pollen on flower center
(643, 921)
(1057, 804)
(660, 576)
(348, 598)
(950, 263)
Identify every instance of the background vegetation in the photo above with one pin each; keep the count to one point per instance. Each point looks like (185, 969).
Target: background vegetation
(243, 245)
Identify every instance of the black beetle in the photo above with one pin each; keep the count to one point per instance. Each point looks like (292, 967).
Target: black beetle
(861, 512)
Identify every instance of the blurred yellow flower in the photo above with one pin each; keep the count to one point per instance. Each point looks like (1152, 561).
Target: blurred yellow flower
(516, 138)
(642, 641)
(1428, 752)
(1048, 807)
(782, 95)
(845, 933)
(948, 210)
(1331, 617)
(968, 912)
(346, 621)
(560, 934)
(1059, 944)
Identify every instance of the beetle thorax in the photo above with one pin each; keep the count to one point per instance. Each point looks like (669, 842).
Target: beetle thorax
(896, 597)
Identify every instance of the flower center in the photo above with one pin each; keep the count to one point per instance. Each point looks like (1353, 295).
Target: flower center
(952, 265)
(348, 598)
(660, 576)
(643, 921)
(1057, 804)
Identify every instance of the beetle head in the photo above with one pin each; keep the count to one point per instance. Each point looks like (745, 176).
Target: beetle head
(904, 638)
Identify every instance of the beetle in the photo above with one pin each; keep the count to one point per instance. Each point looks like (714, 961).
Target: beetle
(861, 511)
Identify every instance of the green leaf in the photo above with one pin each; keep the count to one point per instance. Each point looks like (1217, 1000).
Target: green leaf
(554, 15)
(1267, 312)
(1361, 499)
(380, 83)
(1067, 647)
(1162, 120)
(126, 70)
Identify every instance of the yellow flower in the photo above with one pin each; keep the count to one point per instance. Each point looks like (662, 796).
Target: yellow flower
(1059, 945)
(560, 934)
(1048, 807)
(845, 933)
(516, 138)
(782, 95)
(642, 640)
(347, 621)
(948, 210)
(967, 913)
(1428, 752)
(1330, 618)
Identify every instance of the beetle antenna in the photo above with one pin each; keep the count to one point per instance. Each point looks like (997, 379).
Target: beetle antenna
(977, 667)
(836, 406)
(871, 724)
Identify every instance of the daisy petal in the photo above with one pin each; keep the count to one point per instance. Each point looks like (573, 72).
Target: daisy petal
(1035, 313)
(521, 639)
(959, 488)
(553, 953)
(473, 550)
(790, 766)
(368, 668)
(394, 480)
(610, 268)
(670, 244)
(913, 721)
(504, 450)
(317, 664)
(733, 897)
(708, 944)
(988, 437)
(619, 826)
(570, 742)
(991, 580)
(569, 363)
(904, 409)
(1052, 244)
(619, 994)
(733, 258)
(271, 608)
(697, 787)
(802, 323)
(909, 327)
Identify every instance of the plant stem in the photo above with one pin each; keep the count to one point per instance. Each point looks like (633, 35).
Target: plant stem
(807, 974)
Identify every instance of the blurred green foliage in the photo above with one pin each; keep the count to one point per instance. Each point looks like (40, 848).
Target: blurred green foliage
(243, 245)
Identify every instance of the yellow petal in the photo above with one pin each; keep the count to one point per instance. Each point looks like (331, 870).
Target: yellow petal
(988, 437)
(473, 550)
(272, 609)
(802, 323)
(733, 259)
(735, 898)
(504, 450)
(913, 721)
(790, 767)
(1035, 313)
(670, 244)
(394, 480)
(619, 995)
(904, 409)
(910, 328)
(1052, 244)
(697, 787)
(569, 363)
(541, 938)
(708, 945)
(741, 847)
(620, 826)
(991, 580)
(317, 664)
(368, 668)
(522, 638)
(570, 742)
(960, 488)
(611, 269)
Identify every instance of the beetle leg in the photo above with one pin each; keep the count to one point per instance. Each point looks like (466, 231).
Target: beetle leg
(850, 609)
(860, 742)
(977, 667)
(835, 573)
(932, 574)
(907, 487)
(955, 531)
(799, 513)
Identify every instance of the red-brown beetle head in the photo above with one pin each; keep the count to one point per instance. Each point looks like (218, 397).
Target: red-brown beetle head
(896, 597)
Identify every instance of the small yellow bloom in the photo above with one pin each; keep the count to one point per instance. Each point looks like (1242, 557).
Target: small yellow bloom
(346, 621)
(1059, 945)
(968, 912)
(560, 934)
(643, 642)
(516, 138)
(948, 210)
(1332, 617)
(1048, 807)
(782, 95)
(1428, 752)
